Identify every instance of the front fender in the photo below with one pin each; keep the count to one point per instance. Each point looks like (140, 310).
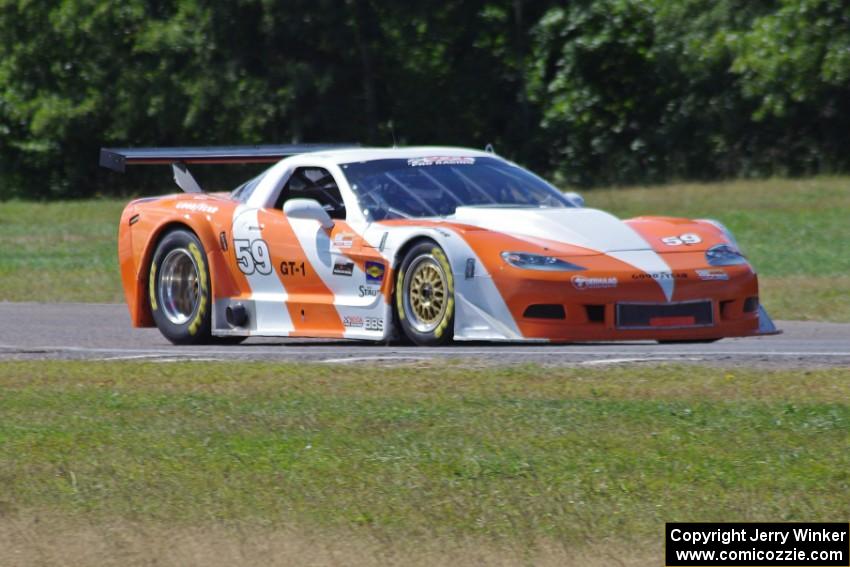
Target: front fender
(481, 313)
(669, 234)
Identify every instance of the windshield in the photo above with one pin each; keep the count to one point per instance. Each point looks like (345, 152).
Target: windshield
(436, 186)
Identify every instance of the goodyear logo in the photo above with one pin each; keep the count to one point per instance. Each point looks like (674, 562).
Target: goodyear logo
(374, 272)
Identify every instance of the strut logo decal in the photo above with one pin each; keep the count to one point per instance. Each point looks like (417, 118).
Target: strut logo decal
(368, 291)
(583, 282)
(374, 272)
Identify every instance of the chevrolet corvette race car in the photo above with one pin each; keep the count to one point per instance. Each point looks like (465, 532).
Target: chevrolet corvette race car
(427, 244)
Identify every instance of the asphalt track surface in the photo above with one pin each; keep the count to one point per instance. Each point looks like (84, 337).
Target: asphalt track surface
(76, 331)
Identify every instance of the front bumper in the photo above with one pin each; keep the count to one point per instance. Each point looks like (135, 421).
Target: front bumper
(632, 306)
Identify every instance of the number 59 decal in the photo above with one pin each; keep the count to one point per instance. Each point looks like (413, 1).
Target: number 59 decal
(253, 256)
(687, 239)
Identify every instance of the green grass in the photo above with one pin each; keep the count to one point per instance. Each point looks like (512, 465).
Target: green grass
(61, 251)
(512, 455)
(795, 232)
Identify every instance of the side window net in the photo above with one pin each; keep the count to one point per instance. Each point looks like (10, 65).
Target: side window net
(314, 183)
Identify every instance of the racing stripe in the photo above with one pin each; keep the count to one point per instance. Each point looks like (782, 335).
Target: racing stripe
(361, 305)
(651, 263)
(267, 291)
(585, 228)
(296, 265)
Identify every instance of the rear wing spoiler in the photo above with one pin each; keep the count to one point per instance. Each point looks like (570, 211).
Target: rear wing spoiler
(117, 159)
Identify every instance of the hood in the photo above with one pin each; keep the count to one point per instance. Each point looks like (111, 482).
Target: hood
(587, 228)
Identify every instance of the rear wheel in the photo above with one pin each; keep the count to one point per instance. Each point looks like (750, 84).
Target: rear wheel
(179, 289)
(424, 295)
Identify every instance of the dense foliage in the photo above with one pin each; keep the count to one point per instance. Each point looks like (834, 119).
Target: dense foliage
(590, 91)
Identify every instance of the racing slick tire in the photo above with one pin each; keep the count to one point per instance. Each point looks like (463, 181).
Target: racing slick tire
(179, 289)
(424, 295)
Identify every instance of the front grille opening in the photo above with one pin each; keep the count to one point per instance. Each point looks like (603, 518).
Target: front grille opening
(751, 305)
(726, 309)
(595, 313)
(660, 315)
(545, 311)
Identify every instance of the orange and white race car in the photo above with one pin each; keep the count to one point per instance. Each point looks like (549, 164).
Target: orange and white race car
(424, 243)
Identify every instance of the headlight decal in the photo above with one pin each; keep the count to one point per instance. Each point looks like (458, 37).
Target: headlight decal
(528, 261)
(724, 255)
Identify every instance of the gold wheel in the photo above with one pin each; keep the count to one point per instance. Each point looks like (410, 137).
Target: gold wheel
(425, 293)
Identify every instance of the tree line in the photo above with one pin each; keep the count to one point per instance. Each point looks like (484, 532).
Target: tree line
(587, 92)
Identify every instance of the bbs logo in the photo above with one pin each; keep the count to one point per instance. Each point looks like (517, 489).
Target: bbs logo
(374, 324)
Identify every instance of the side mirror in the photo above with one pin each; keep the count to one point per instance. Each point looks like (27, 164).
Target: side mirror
(574, 198)
(307, 209)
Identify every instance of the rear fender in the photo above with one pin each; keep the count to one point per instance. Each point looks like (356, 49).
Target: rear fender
(137, 247)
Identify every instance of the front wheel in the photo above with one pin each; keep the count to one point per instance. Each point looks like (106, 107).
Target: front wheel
(179, 289)
(424, 296)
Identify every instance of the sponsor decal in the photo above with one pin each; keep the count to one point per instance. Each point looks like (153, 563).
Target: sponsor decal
(368, 291)
(203, 288)
(343, 268)
(686, 239)
(584, 282)
(440, 160)
(288, 268)
(374, 272)
(368, 323)
(661, 276)
(343, 240)
(197, 207)
(712, 275)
